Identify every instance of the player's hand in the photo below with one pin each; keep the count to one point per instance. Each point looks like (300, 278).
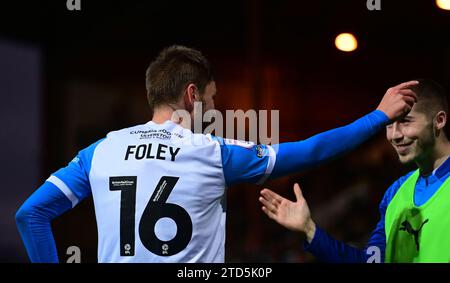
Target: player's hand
(292, 215)
(398, 100)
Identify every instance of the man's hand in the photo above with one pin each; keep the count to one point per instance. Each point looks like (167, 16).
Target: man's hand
(398, 100)
(292, 215)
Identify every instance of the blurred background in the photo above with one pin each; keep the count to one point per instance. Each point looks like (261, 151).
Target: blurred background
(67, 78)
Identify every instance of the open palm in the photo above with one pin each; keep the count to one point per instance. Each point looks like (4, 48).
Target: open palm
(292, 215)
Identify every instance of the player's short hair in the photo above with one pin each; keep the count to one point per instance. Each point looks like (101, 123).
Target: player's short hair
(432, 98)
(172, 71)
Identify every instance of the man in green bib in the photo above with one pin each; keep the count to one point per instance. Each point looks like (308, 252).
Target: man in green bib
(415, 211)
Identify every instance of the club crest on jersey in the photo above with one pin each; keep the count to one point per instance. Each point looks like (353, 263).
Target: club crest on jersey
(260, 151)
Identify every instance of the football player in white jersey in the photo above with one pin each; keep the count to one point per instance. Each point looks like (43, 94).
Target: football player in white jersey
(158, 187)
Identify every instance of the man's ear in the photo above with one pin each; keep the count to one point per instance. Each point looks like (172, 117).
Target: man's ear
(440, 120)
(190, 97)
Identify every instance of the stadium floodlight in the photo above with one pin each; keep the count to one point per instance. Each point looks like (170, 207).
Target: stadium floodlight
(443, 4)
(346, 42)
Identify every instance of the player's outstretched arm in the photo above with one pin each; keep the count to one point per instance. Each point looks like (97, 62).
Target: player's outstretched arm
(298, 156)
(296, 216)
(33, 221)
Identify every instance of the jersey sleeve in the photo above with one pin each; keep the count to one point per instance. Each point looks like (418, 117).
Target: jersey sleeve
(73, 180)
(246, 161)
(302, 155)
(33, 221)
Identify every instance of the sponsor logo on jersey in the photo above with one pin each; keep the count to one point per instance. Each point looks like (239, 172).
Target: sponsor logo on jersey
(244, 144)
(156, 134)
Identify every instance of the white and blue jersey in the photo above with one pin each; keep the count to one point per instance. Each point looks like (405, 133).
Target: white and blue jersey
(158, 190)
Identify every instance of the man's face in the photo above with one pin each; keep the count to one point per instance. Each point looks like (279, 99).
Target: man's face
(412, 137)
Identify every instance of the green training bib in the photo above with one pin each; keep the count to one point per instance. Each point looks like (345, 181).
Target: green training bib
(418, 233)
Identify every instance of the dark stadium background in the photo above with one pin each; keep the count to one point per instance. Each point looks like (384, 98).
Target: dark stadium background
(69, 77)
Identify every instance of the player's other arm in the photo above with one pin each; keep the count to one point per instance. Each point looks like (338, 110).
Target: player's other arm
(298, 156)
(62, 191)
(34, 218)
(296, 216)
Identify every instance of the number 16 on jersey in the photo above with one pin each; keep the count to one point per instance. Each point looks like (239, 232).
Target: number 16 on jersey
(156, 208)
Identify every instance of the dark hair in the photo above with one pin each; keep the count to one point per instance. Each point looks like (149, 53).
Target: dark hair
(432, 98)
(172, 71)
